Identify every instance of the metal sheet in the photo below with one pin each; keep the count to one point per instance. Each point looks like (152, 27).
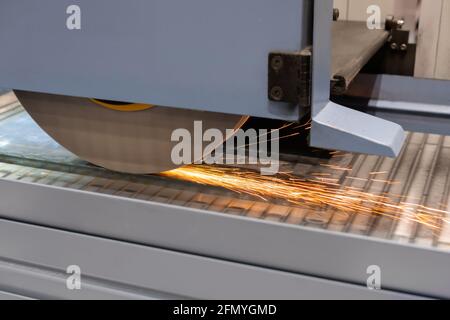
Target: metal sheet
(23, 280)
(194, 54)
(12, 297)
(352, 47)
(166, 271)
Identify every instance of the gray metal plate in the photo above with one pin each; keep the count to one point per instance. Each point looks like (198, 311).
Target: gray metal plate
(202, 54)
(155, 269)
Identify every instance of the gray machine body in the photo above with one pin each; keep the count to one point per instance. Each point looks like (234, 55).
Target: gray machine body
(197, 54)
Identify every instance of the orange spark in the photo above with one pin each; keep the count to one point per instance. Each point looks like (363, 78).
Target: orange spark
(316, 193)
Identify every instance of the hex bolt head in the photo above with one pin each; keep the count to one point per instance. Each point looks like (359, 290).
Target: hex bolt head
(277, 63)
(400, 23)
(394, 46)
(276, 93)
(403, 47)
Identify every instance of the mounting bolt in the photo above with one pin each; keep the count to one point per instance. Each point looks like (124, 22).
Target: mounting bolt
(400, 23)
(277, 63)
(394, 24)
(276, 93)
(394, 46)
(403, 47)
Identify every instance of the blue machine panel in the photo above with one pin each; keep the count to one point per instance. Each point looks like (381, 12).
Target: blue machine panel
(197, 54)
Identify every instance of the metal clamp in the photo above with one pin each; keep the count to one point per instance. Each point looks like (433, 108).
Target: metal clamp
(290, 77)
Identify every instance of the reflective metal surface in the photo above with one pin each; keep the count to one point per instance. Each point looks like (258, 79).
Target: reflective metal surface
(420, 176)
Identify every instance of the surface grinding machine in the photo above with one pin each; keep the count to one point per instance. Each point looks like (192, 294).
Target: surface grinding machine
(112, 88)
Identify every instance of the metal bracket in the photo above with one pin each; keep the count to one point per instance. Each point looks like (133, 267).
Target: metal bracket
(397, 56)
(393, 24)
(290, 77)
(399, 38)
(339, 128)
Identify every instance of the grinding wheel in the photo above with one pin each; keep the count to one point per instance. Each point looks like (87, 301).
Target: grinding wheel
(137, 142)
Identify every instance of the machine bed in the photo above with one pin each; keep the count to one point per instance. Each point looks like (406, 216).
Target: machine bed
(326, 247)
